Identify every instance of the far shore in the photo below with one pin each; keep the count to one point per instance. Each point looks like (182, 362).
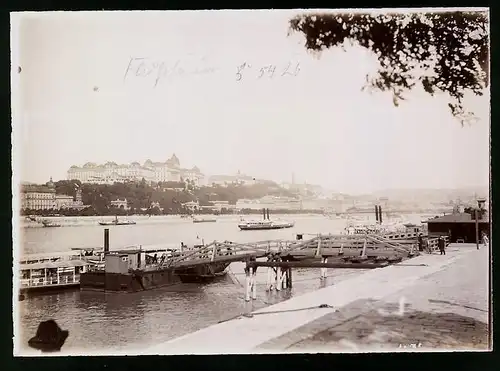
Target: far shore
(121, 214)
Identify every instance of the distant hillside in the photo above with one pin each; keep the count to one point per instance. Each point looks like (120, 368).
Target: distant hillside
(432, 194)
(170, 196)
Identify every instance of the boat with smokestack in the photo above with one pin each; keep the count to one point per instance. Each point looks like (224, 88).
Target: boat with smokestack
(265, 224)
(204, 220)
(136, 270)
(118, 222)
(392, 231)
(50, 224)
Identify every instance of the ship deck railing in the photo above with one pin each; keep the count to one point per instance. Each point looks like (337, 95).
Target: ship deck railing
(52, 281)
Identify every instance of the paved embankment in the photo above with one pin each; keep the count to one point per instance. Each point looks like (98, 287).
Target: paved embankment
(447, 310)
(429, 283)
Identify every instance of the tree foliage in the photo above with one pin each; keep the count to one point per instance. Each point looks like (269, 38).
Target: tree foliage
(169, 195)
(442, 51)
(472, 212)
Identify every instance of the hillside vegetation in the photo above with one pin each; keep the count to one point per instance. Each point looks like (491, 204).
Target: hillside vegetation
(169, 195)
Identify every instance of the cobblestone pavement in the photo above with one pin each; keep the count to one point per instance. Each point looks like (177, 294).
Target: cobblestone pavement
(447, 310)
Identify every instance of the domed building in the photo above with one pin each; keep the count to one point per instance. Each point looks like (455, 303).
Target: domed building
(111, 172)
(173, 161)
(50, 183)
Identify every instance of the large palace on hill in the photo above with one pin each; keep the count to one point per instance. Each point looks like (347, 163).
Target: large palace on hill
(111, 172)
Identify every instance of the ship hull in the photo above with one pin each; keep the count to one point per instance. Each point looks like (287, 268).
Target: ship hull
(40, 290)
(110, 224)
(203, 273)
(261, 228)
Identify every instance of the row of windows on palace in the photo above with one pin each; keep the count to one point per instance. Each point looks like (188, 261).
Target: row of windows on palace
(105, 176)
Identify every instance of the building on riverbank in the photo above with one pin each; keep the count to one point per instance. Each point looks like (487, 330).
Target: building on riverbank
(271, 203)
(38, 197)
(460, 227)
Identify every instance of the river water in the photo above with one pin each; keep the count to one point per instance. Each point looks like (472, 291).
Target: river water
(99, 322)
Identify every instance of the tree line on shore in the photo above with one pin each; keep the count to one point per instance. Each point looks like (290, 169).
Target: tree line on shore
(161, 198)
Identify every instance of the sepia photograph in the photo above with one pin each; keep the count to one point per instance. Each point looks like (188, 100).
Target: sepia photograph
(251, 181)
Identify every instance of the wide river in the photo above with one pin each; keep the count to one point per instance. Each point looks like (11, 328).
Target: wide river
(99, 322)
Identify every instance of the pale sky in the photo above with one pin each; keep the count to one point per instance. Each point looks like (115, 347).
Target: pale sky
(75, 105)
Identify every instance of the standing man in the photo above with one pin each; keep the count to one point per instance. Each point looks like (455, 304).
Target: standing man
(441, 245)
(485, 240)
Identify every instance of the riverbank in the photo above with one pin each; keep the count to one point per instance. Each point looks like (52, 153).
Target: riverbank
(431, 302)
(185, 213)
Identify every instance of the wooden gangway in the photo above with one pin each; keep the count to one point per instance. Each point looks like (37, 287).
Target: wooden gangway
(319, 246)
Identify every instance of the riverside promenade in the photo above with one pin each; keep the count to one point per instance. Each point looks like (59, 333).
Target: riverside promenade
(429, 303)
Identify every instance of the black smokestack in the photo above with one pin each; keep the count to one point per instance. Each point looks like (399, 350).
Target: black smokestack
(106, 240)
(264, 210)
(376, 213)
(380, 214)
(267, 214)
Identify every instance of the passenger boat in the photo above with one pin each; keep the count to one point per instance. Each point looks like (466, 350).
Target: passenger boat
(118, 222)
(41, 273)
(50, 224)
(264, 224)
(204, 220)
(393, 232)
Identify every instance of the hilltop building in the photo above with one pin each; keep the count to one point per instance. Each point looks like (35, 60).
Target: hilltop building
(227, 180)
(270, 202)
(111, 172)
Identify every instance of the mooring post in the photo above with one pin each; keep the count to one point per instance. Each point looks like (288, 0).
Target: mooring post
(323, 270)
(212, 258)
(278, 279)
(268, 280)
(283, 278)
(247, 283)
(254, 283)
(269, 283)
(341, 251)
(318, 249)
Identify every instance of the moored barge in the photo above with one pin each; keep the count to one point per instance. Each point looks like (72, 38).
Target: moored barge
(135, 270)
(125, 271)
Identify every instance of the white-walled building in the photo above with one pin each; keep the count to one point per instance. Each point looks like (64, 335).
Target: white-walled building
(226, 180)
(38, 197)
(112, 172)
(191, 205)
(270, 202)
(120, 204)
(63, 201)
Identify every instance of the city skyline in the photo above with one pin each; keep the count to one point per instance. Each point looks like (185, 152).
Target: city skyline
(86, 92)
